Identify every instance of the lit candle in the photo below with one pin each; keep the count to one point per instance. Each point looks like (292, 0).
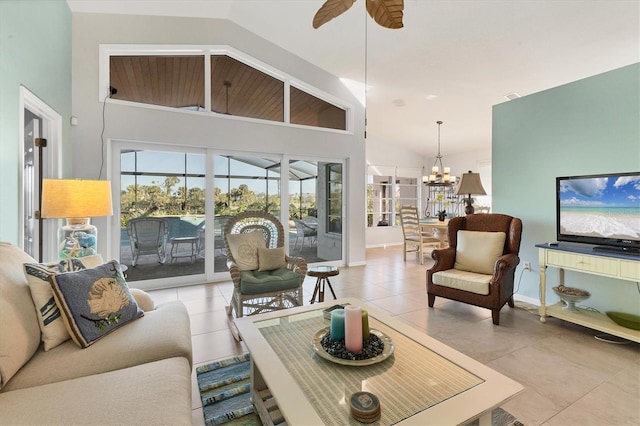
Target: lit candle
(337, 324)
(434, 170)
(353, 328)
(365, 325)
(447, 170)
(432, 178)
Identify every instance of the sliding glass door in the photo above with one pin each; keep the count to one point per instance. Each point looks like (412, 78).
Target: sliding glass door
(173, 210)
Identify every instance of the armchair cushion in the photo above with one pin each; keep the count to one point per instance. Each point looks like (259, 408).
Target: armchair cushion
(256, 282)
(463, 280)
(244, 249)
(478, 251)
(270, 259)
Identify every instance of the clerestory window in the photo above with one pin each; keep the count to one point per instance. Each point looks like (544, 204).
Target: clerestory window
(219, 83)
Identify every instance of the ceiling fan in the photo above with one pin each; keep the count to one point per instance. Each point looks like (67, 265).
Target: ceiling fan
(387, 13)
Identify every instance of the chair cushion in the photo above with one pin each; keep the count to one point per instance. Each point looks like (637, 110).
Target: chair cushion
(19, 330)
(463, 280)
(478, 251)
(270, 259)
(255, 282)
(244, 249)
(94, 302)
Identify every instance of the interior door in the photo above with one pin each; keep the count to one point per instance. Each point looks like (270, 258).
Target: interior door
(30, 185)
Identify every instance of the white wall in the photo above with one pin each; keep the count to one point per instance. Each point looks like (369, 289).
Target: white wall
(190, 129)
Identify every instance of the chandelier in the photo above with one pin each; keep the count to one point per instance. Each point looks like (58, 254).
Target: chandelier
(438, 178)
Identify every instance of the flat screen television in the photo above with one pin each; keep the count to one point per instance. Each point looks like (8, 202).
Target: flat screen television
(603, 210)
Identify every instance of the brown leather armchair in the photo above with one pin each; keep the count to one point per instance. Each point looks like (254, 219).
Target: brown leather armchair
(449, 278)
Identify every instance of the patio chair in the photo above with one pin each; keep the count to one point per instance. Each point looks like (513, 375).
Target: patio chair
(264, 277)
(304, 230)
(148, 235)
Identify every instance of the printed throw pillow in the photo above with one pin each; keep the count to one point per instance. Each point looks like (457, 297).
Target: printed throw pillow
(94, 302)
(271, 259)
(51, 324)
(244, 249)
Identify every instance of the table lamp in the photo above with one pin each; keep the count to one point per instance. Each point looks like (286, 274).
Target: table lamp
(77, 201)
(470, 184)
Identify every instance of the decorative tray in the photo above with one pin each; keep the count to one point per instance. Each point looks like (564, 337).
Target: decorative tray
(386, 352)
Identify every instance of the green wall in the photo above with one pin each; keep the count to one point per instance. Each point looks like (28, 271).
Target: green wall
(35, 52)
(586, 127)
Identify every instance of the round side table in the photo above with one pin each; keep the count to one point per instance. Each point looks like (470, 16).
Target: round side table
(322, 273)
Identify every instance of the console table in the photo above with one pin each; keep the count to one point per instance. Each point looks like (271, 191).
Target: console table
(582, 258)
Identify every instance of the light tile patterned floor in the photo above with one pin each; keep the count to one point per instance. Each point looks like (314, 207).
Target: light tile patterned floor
(570, 378)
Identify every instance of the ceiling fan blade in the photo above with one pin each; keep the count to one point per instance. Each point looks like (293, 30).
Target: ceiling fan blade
(329, 10)
(387, 13)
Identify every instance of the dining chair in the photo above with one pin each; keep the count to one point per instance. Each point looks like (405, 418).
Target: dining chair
(414, 240)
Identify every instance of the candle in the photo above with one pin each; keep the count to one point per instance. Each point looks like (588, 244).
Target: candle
(337, 324)
(353, 328)
(365, 325)
(434, 170)
(447, 170)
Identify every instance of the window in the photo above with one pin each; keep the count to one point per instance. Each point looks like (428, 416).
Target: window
(171, 81)
(213, 81)
(311, 111)
(388, 188)
(238, 89)
(406, 195)
(334, 198)
(170, 186)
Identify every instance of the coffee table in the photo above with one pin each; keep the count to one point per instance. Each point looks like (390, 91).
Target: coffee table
(424, 382)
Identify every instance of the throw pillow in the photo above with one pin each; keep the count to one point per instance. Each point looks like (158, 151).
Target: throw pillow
(244, 249)
(143, 299)
(52, 328)
(94, 302)
(478, 251)
(271, 259)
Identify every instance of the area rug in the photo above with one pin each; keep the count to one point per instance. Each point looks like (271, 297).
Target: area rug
(225, 391)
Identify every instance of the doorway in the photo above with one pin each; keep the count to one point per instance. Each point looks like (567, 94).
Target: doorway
(38, 123)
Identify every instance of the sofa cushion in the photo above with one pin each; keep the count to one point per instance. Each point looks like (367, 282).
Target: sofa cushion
(51, 324)
(478, 251)
(254, 282)
(244, 249)
(463, 280)
(19, 330)
(94, 302)
(156, 393)
(270, 259)
(162, 333)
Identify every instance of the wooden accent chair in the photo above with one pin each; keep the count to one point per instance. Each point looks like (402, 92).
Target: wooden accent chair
(413, 239)
(263, 280)
(479, 265)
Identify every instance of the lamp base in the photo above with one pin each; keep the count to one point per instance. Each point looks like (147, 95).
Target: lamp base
(78, 238)
(469, 206)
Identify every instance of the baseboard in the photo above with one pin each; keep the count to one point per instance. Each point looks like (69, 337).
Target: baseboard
(526, 299)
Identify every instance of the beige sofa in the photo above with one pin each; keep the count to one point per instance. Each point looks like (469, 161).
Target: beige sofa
(138, 374)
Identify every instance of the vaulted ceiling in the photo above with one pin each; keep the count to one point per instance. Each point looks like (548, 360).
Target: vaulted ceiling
(452, 61)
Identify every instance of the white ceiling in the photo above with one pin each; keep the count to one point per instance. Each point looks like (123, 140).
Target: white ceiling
(452, 61)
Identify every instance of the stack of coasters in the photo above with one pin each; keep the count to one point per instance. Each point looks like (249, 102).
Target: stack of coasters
(365, 407)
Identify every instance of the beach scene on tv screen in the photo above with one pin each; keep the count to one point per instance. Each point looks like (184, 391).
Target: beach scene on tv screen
(607, 207)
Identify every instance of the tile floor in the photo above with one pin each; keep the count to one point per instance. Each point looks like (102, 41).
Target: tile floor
(570, 378)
